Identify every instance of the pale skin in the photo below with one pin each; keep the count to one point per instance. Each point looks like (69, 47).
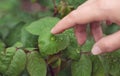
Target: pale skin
(93, 12)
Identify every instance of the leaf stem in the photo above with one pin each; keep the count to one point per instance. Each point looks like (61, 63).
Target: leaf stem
(55, 8)
(87, 53)
(54, 3)
(51, 71)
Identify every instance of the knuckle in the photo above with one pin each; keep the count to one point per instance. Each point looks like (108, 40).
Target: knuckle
(101, 12)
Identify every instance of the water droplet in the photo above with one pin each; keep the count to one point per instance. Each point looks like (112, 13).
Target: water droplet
(53, 38)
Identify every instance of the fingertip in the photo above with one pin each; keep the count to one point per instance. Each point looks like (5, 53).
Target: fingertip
(96, 30)
(53, 31)
(81, 41)
(96, 50)
(80, 33)
(107, 44)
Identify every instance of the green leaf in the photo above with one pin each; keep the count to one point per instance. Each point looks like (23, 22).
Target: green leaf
(50, 44)
(25, 73)
(36, 66)
(111, 63)
(14, 35)
(17, 64)
(9, 20)
(88, 45)
(47, 3)
(19, 34)
(6, 5)
(5, 59)
(97, 67)
(73, 50)
(28, 39)
(83, 67)
(11, 60)
(46, 13)
(2, 46)
(42, 26)
(112, 29)
(76, 3)
(18, 45)
(66, 70)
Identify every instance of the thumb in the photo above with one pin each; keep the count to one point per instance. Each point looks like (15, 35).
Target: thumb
(107, 44)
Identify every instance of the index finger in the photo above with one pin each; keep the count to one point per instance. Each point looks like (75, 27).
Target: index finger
(83, 15)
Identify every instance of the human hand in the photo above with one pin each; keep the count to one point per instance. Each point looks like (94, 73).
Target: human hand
(93, 11)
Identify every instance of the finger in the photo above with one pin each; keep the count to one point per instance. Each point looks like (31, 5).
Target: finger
(107, 44)
(80, 33)
(85, 14)
(96, 30)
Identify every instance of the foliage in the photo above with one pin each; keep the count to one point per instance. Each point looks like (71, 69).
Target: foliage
(82, 67)
(27, 48)
(36, 67)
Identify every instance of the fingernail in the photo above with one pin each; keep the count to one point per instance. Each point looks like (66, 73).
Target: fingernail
(53, 31)
(96, 50)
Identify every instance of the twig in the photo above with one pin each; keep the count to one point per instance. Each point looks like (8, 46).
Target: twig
(55, 8)
(54, 3)
(87, 53)
(51, 71)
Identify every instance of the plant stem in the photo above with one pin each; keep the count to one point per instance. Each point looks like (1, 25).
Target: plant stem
(55, 8)
(54, 3)
(87, 53)
(51, 71)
